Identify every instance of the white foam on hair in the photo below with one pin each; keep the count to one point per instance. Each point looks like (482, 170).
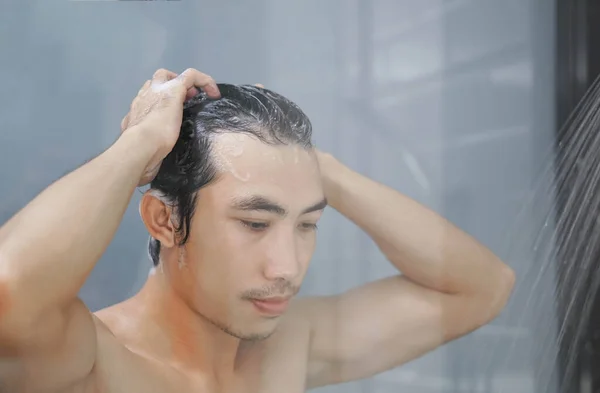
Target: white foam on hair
(223, 153)
(158, 195)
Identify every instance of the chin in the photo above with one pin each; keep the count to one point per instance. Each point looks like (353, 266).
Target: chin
(256, 337)
(250, 335)
(248, 331)
(256, 332)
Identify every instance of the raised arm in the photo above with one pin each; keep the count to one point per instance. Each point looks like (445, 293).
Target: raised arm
(450, 285)
(48, 249)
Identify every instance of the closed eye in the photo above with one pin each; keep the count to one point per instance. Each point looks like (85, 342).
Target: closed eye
(309, 226)
(255, 226)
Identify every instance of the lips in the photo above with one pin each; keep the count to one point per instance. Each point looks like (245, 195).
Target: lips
(271, 306)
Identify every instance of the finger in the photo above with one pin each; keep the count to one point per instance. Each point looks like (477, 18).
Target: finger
(144, 87)
(194, 78)
(124, 122)
(191, 93)
(163, 75)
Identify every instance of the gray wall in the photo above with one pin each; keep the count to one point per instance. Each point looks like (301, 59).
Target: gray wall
(448, 101)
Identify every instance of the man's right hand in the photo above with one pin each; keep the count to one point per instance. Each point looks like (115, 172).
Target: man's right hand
(48, 337)
(157, 110)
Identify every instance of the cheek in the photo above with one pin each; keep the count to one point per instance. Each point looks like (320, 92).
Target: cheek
(215, 239)
(305, 248)
(218, 260)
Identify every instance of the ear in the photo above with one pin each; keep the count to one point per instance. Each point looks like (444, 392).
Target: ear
(156, 215)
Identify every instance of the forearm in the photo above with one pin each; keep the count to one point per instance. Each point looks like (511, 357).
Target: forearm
(48, 249)
(425, 247)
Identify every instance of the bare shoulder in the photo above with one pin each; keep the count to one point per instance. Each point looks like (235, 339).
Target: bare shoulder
(119, 368)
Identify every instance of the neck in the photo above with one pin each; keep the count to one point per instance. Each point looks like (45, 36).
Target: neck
(186, 338)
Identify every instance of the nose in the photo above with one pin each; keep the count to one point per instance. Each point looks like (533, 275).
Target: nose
(282, 259)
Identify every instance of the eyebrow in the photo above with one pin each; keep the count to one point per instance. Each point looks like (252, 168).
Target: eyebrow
(260, 203)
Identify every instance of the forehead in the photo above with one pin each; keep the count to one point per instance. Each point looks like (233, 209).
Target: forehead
(248, 166)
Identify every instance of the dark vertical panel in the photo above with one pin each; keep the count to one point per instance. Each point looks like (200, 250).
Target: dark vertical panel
(577, 66)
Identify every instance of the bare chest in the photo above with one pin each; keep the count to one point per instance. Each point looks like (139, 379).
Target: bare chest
(288, 376)
(279, 368)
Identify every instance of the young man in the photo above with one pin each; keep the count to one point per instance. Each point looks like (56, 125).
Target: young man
(236, 191)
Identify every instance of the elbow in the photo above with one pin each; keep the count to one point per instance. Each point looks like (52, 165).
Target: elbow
(506, 282)
(497, 295)
(509, 278)
(482, 304)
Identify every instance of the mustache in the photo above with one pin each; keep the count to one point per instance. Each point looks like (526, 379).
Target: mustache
(281, 287)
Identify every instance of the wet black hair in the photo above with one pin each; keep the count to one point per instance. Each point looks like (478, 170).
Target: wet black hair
(259, 112)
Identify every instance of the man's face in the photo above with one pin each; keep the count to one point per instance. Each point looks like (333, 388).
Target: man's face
(252, 235)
